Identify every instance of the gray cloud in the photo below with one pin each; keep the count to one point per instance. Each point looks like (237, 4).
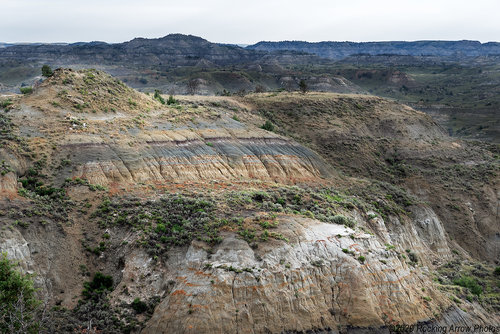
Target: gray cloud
(249, 21)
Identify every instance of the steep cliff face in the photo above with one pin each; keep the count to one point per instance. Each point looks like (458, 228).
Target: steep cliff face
(306, 283)
(217, 225)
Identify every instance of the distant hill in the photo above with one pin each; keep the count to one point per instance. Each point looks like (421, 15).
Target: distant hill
(340, 50)
(174, 50)
(168, 63)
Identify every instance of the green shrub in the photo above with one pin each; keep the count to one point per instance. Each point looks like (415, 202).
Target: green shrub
(260, 196)
(5, 103)
(267, 224)
(343, 220)
(99, 284)
(497, 271)
(26, 90)
(161, 228)
(469, 283)
(139, 306)
(47, 71)
(171, 100)
(158, 96)
(361, 259)
(268, 126)
(247, 234)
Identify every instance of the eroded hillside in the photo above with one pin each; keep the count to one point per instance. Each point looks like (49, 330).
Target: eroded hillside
(335, 219)
(394, 144)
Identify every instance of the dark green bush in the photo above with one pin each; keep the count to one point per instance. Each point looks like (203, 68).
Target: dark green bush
(303, 87)
(47, 71)
(100, 284)
(139, 306)
(171, 100)
(469, 283)
(158, 96)
(33, 183)
(268, 126)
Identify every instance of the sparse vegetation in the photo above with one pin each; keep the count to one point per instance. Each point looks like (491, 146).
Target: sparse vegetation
(5, 104)
(170, 221)
(478, 283)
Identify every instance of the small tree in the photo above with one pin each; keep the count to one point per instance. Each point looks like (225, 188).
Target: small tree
(303, 86)
(18, 303)
(171, 100)
(47, 71)
(158, 96)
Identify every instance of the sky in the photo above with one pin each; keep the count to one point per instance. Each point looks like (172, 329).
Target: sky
(247, 22)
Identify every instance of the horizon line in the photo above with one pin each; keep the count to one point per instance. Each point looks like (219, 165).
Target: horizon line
(248, 44)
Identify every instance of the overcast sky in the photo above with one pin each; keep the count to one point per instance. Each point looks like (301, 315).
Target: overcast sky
(249, 21)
